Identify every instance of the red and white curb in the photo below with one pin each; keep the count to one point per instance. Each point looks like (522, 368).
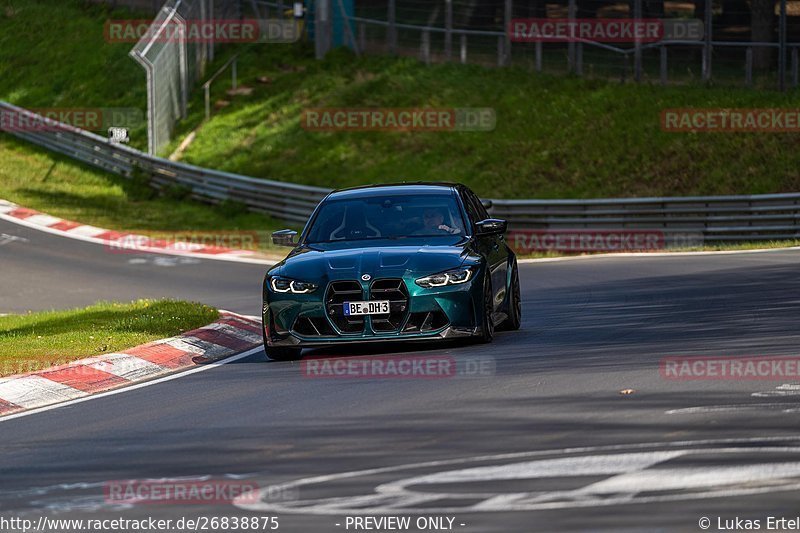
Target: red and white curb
(121, 241)
(230, 334)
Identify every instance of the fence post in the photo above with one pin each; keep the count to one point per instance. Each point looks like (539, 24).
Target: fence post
(748, 67)
(391, 30)
(212, 45)
(782, 48)
(572, 11)
(322, 28)
(795, 79)
(579, 59)
(507, 14)
(464, 48)
(538, 50)
(234, 73)
(501, 41)
(637, 46)
(280, 9)
(426, 47)
(208, 101)
(663, 50)
(707, 44)
(448, 29)
(362, 36)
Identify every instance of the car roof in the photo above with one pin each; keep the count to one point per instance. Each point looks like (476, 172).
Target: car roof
(405, 188)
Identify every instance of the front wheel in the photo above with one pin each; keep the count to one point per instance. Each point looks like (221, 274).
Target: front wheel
(282, 354)
(279, 353)
(514, 319)
(487, 327)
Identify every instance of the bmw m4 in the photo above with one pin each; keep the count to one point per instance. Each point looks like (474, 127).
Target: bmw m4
(407, 262)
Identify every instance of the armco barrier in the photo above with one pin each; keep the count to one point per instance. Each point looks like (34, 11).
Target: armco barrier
(712, 218)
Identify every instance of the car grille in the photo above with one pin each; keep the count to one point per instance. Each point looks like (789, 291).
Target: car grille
(339, 292)
(395, 291)
(398, 320)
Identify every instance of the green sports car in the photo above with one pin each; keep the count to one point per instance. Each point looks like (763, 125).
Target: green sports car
(407, 262)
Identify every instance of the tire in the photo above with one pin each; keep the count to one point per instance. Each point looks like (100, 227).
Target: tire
(487, 327)
(514, 320)
(283, 354)
(280, 353)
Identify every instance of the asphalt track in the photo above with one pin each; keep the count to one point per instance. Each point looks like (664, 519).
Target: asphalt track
(542, 442)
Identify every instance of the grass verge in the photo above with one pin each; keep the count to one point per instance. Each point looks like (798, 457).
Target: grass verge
(35, 341)
(59, 186)
(556, 136)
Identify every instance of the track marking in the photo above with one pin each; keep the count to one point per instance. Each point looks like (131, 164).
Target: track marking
(171, 377)
(634, 476)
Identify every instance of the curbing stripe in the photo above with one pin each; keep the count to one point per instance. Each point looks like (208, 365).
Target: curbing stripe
(43, 220)
(233, 331)
(123, 241)
(86, 231)
(65, 225)
(229, 335)
(127, 366)
(22, 212)
(84, 378)
(8, 408)
(241, 324)
(36, 391)
(161, 354)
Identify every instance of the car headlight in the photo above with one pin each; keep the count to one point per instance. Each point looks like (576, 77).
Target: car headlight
(279, 284)
(451, 277)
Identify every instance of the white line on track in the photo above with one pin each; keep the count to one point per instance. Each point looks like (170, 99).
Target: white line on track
(75, 234)
(171, 377)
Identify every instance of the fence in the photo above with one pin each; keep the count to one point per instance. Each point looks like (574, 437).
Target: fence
(742, 42)
(716, 218)
(173, 60)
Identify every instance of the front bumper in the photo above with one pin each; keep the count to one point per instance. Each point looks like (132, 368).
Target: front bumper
(417, 314)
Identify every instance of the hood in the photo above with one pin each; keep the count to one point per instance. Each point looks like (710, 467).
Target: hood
(379, 258)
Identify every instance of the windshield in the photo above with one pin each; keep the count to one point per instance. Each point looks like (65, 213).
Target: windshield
(387, 217)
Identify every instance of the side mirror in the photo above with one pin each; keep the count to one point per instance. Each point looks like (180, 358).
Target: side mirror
(284, 237)
(491, 226)
(487, 203)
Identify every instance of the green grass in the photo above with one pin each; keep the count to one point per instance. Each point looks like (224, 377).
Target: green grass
(556, 136)
(33, 341)
(56, 185)
(66, 65)
(53, 54)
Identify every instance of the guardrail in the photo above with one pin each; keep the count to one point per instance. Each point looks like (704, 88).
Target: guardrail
(284, 201)
(714, 218)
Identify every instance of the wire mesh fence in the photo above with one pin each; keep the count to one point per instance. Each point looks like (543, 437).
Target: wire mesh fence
(753, 43)
(174, 51)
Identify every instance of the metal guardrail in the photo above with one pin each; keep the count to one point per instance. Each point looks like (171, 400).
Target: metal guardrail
(283, 201)
(715, 218)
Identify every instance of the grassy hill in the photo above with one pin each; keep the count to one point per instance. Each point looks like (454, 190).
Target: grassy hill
(556, 137)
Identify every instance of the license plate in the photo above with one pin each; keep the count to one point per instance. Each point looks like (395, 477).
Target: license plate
(376, 307)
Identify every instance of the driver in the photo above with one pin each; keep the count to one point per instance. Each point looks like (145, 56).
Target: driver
(433, 220)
